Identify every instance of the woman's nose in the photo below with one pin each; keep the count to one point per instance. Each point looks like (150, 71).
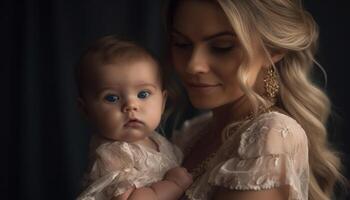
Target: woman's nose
(198, 62)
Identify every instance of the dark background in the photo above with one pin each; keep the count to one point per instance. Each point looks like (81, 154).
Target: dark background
(44, 139)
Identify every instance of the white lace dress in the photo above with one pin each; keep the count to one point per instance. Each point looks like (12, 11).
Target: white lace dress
(269, 152)
(119, 166)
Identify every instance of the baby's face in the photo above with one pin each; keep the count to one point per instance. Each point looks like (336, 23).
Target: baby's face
(128, 100)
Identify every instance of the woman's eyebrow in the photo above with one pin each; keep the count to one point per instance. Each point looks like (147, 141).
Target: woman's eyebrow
(219, 34)
(206, 38)
(174, 31)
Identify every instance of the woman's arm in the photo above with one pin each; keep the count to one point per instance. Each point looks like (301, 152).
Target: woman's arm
(280, 193)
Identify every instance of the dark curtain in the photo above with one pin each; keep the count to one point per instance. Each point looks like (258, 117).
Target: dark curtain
(44, 140)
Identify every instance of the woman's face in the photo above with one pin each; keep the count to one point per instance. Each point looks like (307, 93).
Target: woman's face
(206, 54)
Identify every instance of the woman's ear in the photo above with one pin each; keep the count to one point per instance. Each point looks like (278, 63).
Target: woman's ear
(165, 95)
(275, 57)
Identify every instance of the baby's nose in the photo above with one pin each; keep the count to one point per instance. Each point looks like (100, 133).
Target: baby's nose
(130, 106)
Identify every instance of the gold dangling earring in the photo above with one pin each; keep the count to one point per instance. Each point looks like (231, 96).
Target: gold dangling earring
(271, 84)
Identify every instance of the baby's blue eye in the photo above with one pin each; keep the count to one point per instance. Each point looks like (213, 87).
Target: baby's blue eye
(112, 98)
(143, 94)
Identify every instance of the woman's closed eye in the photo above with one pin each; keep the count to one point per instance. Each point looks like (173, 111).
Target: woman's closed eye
(181, 45)
(180, 42)
(221, 48)
(111, 98)
(143, 94)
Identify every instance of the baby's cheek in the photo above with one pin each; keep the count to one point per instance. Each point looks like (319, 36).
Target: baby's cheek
(153, 116)
(111, 124)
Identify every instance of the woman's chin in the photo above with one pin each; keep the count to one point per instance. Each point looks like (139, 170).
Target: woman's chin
(203, 104)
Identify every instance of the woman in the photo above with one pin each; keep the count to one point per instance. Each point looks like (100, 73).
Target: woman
(249, 62)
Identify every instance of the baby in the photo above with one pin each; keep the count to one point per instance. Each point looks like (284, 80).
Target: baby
(122, 95)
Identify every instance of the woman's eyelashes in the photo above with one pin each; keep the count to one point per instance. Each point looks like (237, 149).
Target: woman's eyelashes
(182, 45)
(221, 47)
(213, 48)
(219, 50)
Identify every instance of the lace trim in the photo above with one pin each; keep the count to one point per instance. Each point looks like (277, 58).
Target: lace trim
(259, 174)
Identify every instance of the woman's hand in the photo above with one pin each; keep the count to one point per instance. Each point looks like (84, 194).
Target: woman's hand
(180, 177)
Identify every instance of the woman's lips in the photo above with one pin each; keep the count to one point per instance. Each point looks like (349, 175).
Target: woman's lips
(201, 84)
(202, 87)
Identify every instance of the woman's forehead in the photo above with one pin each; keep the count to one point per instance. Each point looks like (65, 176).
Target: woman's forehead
(200, 18)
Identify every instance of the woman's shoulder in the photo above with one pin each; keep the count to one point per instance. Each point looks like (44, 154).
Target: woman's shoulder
(276, 119)
(272, 133)
(279, 122)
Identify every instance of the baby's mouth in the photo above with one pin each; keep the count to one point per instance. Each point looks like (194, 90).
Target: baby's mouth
(133, 123)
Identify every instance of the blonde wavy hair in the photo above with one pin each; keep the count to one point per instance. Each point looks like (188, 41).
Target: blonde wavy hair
(285, 26)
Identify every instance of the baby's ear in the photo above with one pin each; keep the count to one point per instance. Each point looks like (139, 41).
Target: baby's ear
(165, 96)
(82, 106)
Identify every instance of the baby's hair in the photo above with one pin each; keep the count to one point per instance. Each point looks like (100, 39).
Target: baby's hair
(107, 50)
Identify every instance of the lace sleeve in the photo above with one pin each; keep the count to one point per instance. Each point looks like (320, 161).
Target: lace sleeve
(273, 152)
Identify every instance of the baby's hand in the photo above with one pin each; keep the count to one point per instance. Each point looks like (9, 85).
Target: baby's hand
(180, 177)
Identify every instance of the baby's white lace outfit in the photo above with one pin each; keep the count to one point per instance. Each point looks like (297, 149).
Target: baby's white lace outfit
(119, 166)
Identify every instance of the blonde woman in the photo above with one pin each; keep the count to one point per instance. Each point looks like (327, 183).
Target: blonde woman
(248, 62)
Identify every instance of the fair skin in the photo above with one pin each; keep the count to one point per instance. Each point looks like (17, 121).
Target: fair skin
(206, 54)
(126, 104)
